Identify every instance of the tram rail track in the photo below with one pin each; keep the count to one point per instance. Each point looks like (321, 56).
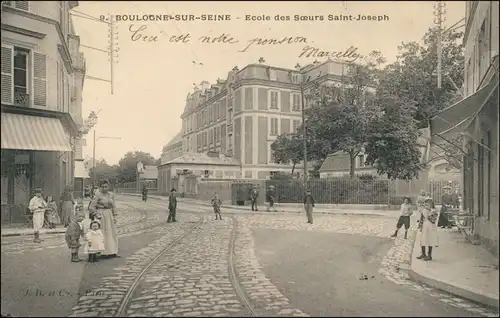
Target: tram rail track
(232, 272)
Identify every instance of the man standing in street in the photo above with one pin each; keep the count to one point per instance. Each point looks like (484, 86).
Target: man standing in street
(253, 196)
(308, 206)
(172, 206)
(144, 193)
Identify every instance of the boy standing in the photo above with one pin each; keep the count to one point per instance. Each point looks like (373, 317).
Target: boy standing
(37, 206)
(73, 234)
(172, 206)
(253, 196)
(216, 203)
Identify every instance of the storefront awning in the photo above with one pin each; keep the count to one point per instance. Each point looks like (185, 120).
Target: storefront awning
(458, 117)
(80, 170)
(33, 133)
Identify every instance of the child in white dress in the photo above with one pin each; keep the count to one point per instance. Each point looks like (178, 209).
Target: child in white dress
(95, 241)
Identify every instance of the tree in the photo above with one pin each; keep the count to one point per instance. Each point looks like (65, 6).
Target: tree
(391, 144)
(413, 76)
(287, 148)
(103, 171)
(340, 117)
(128, 164)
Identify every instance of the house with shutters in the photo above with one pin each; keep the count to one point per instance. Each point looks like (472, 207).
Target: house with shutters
(241, 116)
(43, 74)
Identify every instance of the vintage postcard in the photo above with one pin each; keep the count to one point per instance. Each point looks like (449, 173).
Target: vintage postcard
(249, 158)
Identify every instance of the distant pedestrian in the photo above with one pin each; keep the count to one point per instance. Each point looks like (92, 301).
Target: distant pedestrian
(144, 193)
(37, 207)
(216, 203)
(53, 212)
(404, 218)
(429, 237)
(95, 241)
(254, 195)
(308, 206)
(446, 204)
(172, 206)
(74, 232)
(271, 198)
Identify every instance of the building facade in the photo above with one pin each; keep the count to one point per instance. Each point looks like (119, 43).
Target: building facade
(173, 149)
(42, 81)
(475, 118)
(241, 116)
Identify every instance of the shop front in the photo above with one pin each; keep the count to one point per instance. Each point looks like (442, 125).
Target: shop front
(35, 152)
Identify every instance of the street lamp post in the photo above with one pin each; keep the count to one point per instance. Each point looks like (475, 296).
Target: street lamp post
(304, 135)
(93, 153)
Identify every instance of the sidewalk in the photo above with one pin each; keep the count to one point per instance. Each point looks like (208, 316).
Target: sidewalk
(459, 268)
(282, 208)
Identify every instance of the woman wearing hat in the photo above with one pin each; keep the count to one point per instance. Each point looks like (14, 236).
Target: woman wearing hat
(67, 212)
(38, 206)
(446, 203)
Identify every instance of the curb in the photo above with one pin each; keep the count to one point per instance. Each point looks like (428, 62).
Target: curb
(31, 233)
(340, 212)
(451, 289)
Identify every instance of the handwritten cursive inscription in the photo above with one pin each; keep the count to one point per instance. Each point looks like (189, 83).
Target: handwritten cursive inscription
(138, 34)
(223, 38)
(349, 55)
(271, 41)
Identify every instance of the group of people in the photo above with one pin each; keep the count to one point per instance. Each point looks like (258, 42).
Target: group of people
(100, 240)
(46, 211)
(172, 206)
(427, 223)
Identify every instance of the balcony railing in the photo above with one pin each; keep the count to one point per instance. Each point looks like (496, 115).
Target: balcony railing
(21, 99)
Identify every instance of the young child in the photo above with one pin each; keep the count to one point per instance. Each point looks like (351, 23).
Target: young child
(53, 212)
(95, 241)
(216, 203)
(73, 234)
(404, 218)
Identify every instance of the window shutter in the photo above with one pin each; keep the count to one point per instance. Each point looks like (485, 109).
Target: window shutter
(23, 5)
(39, 79)
(7, 74)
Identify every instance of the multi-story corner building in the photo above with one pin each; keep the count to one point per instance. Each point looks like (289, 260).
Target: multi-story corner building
(476, 118)
(41, 102)
(242, 116)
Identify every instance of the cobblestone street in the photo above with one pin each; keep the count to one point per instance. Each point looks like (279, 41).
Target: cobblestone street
(203, 267)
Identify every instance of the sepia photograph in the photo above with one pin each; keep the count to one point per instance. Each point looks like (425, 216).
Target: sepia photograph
(249, 159)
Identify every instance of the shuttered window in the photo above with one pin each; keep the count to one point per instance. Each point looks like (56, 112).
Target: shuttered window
(40, 79)
(7, 74)
(21, 5)
(60, 95)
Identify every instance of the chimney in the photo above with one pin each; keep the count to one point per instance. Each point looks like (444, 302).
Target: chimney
(262, 61)
(297, 67)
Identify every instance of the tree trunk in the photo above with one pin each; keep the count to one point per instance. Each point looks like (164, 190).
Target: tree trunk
(352, 164)
(293, 168)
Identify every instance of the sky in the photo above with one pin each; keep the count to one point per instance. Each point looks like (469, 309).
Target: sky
(153, 77)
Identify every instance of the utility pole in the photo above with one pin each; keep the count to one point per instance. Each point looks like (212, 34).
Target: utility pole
(93, 161)
(113, 36)
(439, 13)
(304, 136)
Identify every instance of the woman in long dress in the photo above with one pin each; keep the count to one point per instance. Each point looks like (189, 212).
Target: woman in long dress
(103, 208)
(429, 237)
(67, 212)
(53, 213)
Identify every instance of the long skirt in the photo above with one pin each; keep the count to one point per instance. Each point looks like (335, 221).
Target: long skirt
(53, 217)
(429, 234)
(67, 213)
(38, 218)
(108, 228)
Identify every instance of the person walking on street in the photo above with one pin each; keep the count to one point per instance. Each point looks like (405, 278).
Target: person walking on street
(308, 206)
(253, 196)
(404, 219)
(429, 236)
(216, 203)
(172, 206)
(37, 206)
(271, 197)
